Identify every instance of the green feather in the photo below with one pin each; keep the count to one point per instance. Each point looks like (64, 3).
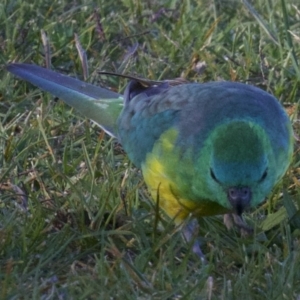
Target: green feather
(98, 104)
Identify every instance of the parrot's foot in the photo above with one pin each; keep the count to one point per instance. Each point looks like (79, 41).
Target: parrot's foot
(231, 220)
(190, 232)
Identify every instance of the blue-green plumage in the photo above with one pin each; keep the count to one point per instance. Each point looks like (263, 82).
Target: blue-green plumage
(195, 110)
(247, 132)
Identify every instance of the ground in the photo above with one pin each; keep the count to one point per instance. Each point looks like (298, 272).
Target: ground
(76, 220)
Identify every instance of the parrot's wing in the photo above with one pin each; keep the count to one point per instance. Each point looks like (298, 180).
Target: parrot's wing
(98, 104)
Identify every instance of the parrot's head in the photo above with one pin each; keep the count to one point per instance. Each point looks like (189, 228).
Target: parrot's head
(240, 168)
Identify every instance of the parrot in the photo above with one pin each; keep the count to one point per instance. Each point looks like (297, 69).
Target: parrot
(204, 149)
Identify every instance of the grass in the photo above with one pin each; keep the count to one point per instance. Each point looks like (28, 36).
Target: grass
(76, 220)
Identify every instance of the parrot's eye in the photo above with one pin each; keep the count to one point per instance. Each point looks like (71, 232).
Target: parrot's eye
(213, 176)
(264, 175)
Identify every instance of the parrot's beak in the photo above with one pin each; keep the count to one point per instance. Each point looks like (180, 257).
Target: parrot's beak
(239, 198)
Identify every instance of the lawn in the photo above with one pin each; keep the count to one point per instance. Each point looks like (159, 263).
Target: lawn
(76, 219)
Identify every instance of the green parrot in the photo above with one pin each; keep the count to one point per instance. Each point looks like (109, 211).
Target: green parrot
(204, 149)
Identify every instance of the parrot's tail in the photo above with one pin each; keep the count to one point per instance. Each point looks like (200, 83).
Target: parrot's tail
(98, 104)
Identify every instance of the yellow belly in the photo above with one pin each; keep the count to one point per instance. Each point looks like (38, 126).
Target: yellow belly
(163, 189)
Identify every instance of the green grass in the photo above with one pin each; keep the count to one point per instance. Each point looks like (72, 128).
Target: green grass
(90, 230)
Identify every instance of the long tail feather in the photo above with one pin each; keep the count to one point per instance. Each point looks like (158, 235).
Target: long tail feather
(96, 103)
